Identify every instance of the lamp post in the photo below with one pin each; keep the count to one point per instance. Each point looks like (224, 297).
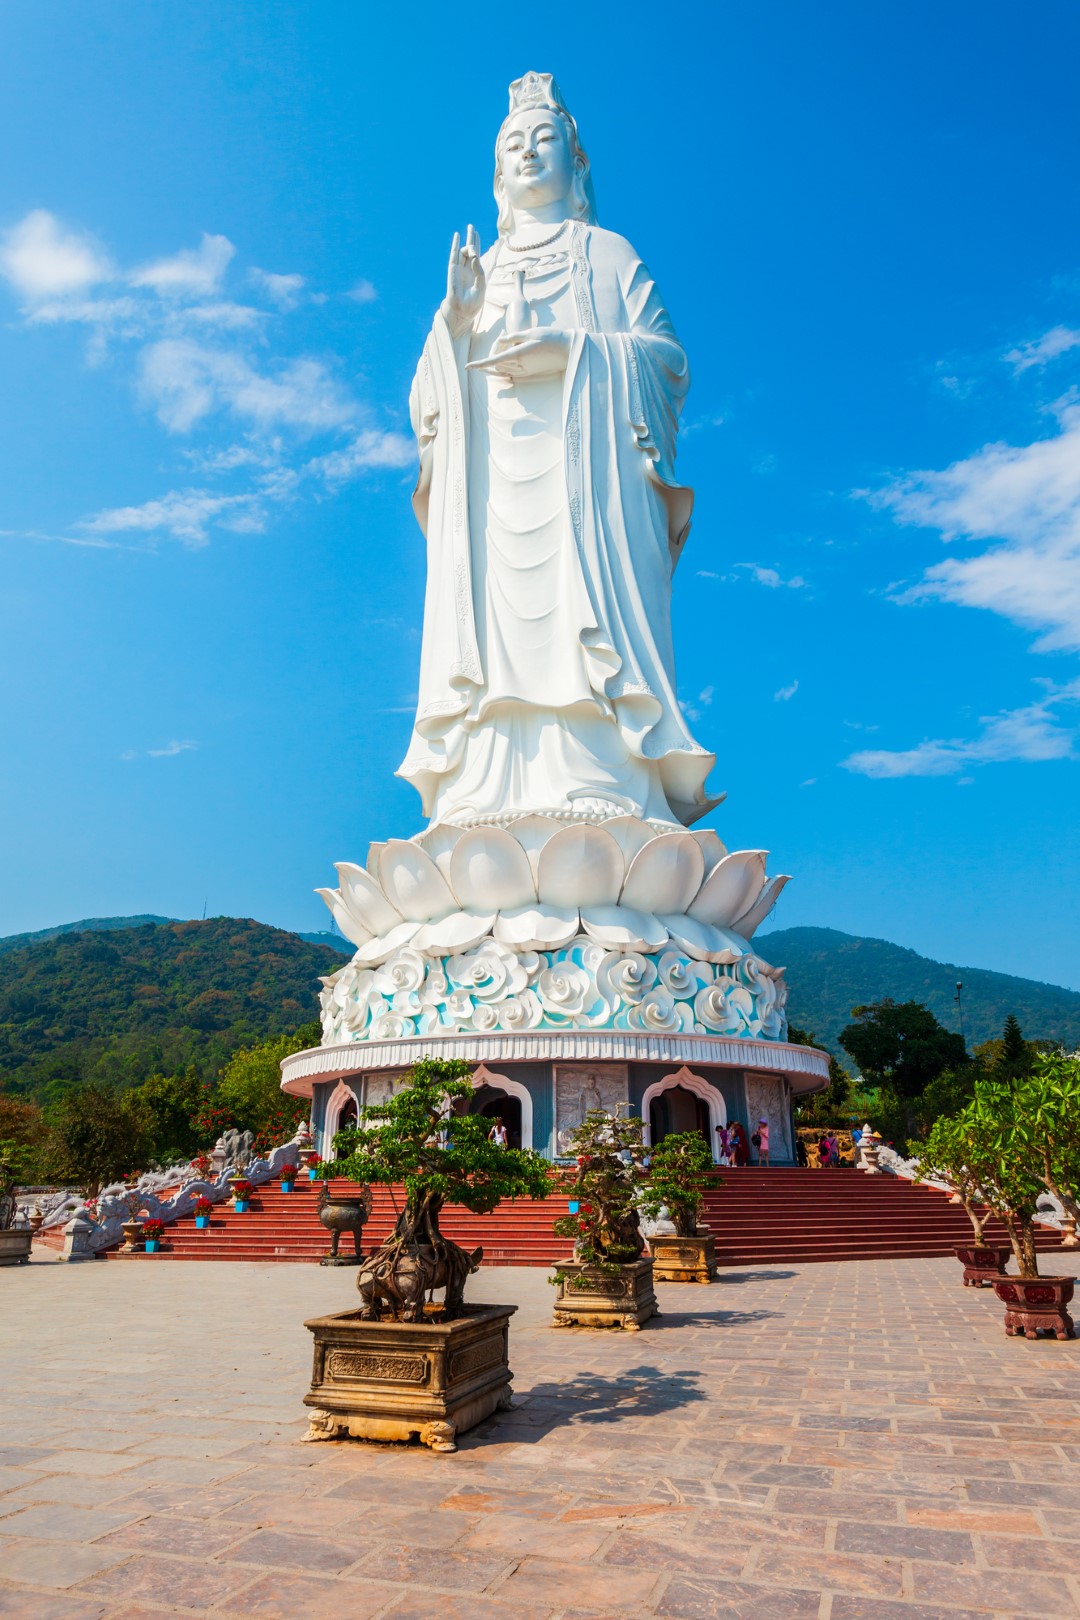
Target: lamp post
(960, 1008)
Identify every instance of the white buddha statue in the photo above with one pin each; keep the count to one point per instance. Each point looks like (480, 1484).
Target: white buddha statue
(546, 407)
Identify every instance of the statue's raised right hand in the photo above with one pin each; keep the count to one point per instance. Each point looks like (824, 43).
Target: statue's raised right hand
(464, 283)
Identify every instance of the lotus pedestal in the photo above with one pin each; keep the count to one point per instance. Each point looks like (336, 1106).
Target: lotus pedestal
(403, 1380)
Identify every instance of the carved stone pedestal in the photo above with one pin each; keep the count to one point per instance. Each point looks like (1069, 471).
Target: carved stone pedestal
(624, 1298)
(982, 1264)
(397, 1380)
(1034, 1304)
(683, 1259)
(15, 1246)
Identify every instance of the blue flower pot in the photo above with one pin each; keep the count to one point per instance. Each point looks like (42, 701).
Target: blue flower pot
(240, 1205)
(152, 1245)
(313, 1174)
(286, 1186)
(573, 1206)
(202, 1222)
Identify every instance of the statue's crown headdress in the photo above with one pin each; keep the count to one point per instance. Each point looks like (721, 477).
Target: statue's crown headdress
(536, 90)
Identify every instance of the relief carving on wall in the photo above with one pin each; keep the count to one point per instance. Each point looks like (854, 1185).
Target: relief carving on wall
(581, 1087)
(766, 1098)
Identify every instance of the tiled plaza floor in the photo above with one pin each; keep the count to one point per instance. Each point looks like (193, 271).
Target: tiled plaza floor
(844, 1442)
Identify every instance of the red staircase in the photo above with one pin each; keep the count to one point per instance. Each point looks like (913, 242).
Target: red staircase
(779, 1216)
(759, 1217)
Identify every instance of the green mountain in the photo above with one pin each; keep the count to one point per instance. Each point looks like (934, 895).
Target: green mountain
(89, 925)
(336, 942)
(124, 1003)
(828, 973)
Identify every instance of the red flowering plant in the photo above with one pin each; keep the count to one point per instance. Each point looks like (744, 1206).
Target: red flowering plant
(604, 1181)
(203, 1166)
(241, 1188)
(152, 1230)
(203, 1206)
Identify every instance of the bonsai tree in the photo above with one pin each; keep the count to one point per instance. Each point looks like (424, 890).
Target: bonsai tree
(1048, 1124)
(680, 1172)
(15, 1159)
(605, 1182)
(417, 1140)
(994, 1136)
(944, 1156)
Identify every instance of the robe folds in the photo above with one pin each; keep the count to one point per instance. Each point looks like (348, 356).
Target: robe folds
(553, 523)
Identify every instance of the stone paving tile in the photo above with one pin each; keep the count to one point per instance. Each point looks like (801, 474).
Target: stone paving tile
(303, 1597)
(52, 1563)
(61, 1521)
(445, 1568)
(20, 1603)
(452, 1606)
(944, 1546)
(581, 1584)
(989, 1591)
(700, 1599)
(281, 1549)
(180, 1583)
(182, 1538)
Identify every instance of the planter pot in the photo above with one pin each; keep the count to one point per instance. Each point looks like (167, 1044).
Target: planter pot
(240, 1205)
(202, 1222)
(605, 1299)
(313, 1174)
(153, 1245)
(15, 1246)
(683, 1259)
(287, 1186)
(1034, 1304)
(396, 1380)
(132, 1237)
(981, 1265)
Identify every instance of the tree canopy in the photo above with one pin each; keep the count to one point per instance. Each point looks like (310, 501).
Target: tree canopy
(901, 1045)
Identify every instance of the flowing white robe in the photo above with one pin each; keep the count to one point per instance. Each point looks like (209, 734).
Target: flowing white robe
(553, 524)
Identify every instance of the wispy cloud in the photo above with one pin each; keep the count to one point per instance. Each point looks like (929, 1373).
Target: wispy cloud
(169, 751)
(786, 693)
(697, 706)
(1033, 733)
(771, 578)
(363, 292)
(1041, 351)
(200, 358)
(44, 259)
(1026, 497)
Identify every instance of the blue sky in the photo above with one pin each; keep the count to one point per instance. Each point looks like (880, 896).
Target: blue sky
(225, 228)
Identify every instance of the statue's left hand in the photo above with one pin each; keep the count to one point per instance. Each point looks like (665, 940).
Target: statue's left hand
(527, 354)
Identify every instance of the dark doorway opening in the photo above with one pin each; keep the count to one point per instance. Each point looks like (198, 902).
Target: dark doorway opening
(349, 1116)
(493, 1105)
(675, 1111)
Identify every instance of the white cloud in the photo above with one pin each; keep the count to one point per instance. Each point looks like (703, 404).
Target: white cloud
(769, 577)
(182, 515)
(1058, 341)
(1030, 734)
(1027, 497)
(363, 292)
(192, 273)
(368, 450)
(169, 751)
(184, 381)
(693, 711)
(44, 259)
(283, 290)
(786, 693)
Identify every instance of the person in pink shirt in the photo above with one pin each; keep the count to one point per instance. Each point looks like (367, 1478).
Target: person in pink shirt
(760, 1140)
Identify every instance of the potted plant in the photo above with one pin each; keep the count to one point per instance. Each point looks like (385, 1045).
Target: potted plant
(997, 1136)
(1048, 1116)
(398, 1367)
(944, 1157)
(609, 1282)
(241, 1192)
(311, 1163)
(14, 1240)
(203, 1208)
(152, 1231)
(680, 1170)
(288, 1177)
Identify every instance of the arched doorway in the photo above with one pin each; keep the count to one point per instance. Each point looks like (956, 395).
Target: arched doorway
(682, 1101)
(347, 1118)
(675, 1111)
(495, 1105)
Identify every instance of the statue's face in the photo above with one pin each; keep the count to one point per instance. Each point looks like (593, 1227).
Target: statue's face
(536, 160)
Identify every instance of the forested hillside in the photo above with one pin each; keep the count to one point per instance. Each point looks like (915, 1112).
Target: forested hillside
(828, 973)
(126, 1003)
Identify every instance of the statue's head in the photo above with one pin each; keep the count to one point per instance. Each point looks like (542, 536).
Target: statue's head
(538, 156)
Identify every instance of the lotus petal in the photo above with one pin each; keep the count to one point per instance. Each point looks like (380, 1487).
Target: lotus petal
(666, 874)
(350, 926)
(532, 833)
(489, 870)
(440, 842)
(730, 888)
(761, 907)
(374, 855)
(377, 950)
(413, 883)
(622, 929)
(702, 941)
(711, 847)
(581, 866)
(365, 899)
(537, 928)
(630, 833)
(458, 932)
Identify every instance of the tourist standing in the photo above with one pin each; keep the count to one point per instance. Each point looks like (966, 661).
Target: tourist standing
(723, 1144)
(760, 1140)
(740, 1148)
(497, 1134)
